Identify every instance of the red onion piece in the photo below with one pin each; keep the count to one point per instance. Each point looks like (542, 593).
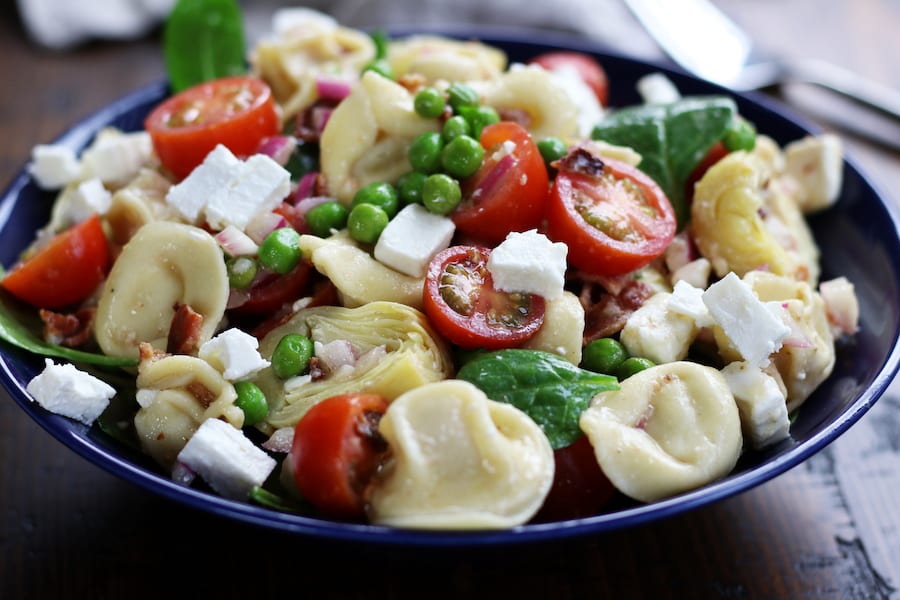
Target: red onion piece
(278, 147)
(264, 224)
(319, 118)
(332, 88)
(235, 242)
(307, 203)
(493, 177)
(306, 187)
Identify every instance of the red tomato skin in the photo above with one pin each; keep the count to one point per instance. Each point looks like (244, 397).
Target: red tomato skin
(714, 155)
(66, 271)
(516, 201)
(272, 295)
(591, 71)
(181, 148)
(594, 251)
(580, 488)
(472, 331)
(332, 456)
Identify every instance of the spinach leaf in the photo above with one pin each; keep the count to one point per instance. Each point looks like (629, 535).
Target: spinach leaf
(203, 40)
(547, 387)
(18, 327)
(671, 138)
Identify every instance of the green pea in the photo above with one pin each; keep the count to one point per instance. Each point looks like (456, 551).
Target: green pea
(740, 135)
(441, 194)
(241, 272)
(460, 94)
(454, 127)
(366, 222)
(429, 103)
(462, 157)
(409, 187)
(381, 40)
(280, 250)
(603, 355)
(379, 193)
(380, 66)
(291, 356)
(327, 217)
(632, 365)
(479, 117)
(252, 401)
(424, 152)
(551, 149)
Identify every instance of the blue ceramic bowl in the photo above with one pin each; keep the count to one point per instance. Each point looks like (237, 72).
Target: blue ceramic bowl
(858, 239)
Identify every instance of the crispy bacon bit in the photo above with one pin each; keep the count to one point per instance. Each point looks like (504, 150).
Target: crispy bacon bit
(201, 393)
(148, 353)
(184, 333)
(72, 330)
(413, 82)
(581, 160)
(606, 315)
(316, 370)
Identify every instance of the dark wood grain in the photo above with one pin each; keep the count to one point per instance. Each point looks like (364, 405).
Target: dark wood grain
(829, 528)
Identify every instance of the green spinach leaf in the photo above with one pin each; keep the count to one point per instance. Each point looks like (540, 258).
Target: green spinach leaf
(547, 387)
(671, 138)
(203, 40)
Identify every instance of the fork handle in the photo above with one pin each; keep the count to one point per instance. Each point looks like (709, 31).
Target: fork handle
(847, 83)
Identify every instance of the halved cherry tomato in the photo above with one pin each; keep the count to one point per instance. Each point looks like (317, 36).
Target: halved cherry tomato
(614, 221)
(336, 451)
(64, 272)
(272, 294)
(509, 191)
(714, 155)
(237, 112)
(462, 304)
(580, 488)
(593, 74)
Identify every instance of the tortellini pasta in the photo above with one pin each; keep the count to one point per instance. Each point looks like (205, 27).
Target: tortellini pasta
(358, 277)
(367, 136)
(165, 264)
(413, 356)
(460, 461)
(141, 201)
(667, 429)
(562, 330)
(177, 393)
(437, 58)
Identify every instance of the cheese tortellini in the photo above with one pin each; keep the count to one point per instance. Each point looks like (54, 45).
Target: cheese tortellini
(177, 393)
(408, 355)
(460, 461)
(668, 429)
(437, 58)
(141, 201)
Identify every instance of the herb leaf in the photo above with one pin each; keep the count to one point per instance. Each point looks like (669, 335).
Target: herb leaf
(547, 387)
(203, 40)
(671, 138)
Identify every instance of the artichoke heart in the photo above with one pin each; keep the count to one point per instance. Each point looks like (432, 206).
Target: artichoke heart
(414, 355)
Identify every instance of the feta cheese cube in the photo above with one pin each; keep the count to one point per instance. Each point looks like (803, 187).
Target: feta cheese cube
(761, 404)
(212, 176)
(687, 300)
(53, 166)
(226, 459)
(817, 164)
(258, 186)
(117, 157)
(746, 321)
(234, 353)
(89, 197)
(67, 391)
(530, 263)
(412, 238)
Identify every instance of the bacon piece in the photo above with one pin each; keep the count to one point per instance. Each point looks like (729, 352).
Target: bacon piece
(606, 315)
(184, 333)
(72, 330)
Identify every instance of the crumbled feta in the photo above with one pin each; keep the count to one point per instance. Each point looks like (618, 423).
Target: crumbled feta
(116, 157)
(90, 197)
(747, 322)
(412, 238)
(67, 391)
(817, 164)
(696, 273)
(234, 353)
(529, 262)
(656, 88)
(761, 403)
(226, 459)
(687, 300)
(53, 166)
(228, 191)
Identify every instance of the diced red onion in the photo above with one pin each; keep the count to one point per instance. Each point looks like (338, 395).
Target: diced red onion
(263, 224)
(335, 354)
(280, 440)
(494, 176)
(235, 242)
(306, 187)
(307, 203)
(332, 88)
(183, 474)
(319, 118)
(278, 147)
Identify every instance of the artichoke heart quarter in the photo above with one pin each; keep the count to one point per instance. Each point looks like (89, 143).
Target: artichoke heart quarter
(413, 356)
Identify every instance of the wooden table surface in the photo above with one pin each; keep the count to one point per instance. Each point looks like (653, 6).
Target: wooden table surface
(829, 528)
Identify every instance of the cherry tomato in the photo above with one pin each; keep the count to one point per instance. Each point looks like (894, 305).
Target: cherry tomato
(336, 451)
(270, 295)
(614, 221)
(462, 304)
(715, 154)
(509, 191)
(580, 488)
(65, 271)
(590, 70)
(237, 112)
